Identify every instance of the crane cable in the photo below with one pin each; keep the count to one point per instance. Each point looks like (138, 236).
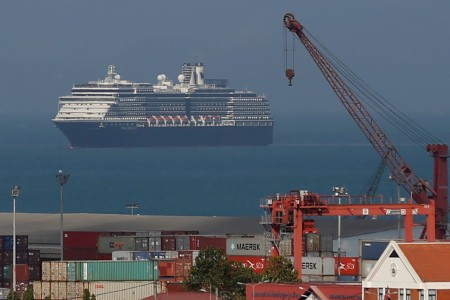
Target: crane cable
(378, 103)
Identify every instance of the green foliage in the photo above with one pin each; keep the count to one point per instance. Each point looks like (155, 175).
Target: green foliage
(212, 271)
(93, 297)
(86, 294)
(48, 298)
(13, 295)
(280, 269)
(28, 295)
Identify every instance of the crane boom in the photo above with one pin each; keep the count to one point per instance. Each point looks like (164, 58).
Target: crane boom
(421, 192)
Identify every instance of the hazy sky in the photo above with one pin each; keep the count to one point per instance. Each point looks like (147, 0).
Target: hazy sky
(401, 48)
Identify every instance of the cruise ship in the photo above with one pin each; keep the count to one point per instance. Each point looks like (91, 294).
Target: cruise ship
(193, 112)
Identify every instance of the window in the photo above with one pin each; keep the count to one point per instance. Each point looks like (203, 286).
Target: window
(432, 295)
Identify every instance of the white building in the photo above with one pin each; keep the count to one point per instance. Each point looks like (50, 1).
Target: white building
(410, 271)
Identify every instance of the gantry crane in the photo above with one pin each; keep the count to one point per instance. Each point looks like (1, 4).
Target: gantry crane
(285, 212)
(402, 174)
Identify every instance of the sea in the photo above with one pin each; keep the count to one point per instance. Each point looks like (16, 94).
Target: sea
(313, 154)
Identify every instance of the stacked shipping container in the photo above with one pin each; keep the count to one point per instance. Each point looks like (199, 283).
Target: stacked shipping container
(28, 262)
(105, 279)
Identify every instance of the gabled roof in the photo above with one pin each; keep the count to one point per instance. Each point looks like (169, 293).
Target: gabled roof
(183, 296)
(420, 262)
(431, 261)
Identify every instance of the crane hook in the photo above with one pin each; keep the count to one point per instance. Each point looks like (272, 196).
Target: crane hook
(290, 74)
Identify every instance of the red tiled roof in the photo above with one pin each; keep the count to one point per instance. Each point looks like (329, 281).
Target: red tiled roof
(337, 291)
(431, 261)
(183, 296)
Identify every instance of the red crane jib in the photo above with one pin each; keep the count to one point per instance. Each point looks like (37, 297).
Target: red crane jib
(420, 190)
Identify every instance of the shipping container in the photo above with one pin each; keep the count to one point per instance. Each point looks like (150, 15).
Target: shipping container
(21, 257)
(367, 266)
(312, 266)
(372, 250)
(168, 243)
(103, 290)
(62, 289)
(182, 243)
(141, 244)
(186, 254)
(116, 270)
(311, 242)
(71, 271)
(179, 232)
(182, 267)
(205, 242)
(34, 257)
(21, 242)
(45, 289)
(37, 290)
(35, 272)
(328, 265)
(286, 247)
(256, 263)
(46, 271)
(326, 243)
(166, 268)
(4, 293)
(347, 266)
(72, 291)
(248, 246)
(154, 243)
(141, 255)
(82, 239)
(109, 244)
(80, 253)
(122, 255)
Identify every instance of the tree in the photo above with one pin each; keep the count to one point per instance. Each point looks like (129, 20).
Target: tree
(13, 295)
(280, 269)
(86, 294)
(28, 295)
(213, 270)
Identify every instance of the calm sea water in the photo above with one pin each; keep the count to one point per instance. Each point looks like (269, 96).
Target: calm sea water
(186, 181)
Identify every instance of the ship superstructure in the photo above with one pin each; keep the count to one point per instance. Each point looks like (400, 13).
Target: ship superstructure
(114, 112)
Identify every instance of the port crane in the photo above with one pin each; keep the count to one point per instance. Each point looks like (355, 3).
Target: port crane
(401, 172)
(287, 211)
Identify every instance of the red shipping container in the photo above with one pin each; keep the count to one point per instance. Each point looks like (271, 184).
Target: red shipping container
(348, 265)
(194, 242)
(182, 267)
(81, 239)
(256, 263)
(166, 268)
(104, 256)
(22, 273)
(80, 253)
(168, 243)
(214, 242)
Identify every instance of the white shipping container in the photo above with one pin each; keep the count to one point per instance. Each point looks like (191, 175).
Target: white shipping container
(45, 289)
(46, 271)
(62, 271)
(72, 291)
(62, 290)
(79, 288)
(54, 292)
(37, 290)
(312, 265)
(328, 266)
(366, 267)
(248, 246)
(122, 255)
(119, 290)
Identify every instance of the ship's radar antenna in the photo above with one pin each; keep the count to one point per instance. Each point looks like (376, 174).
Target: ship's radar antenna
(111, 71)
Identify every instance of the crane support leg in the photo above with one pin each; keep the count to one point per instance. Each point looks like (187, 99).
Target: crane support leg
(298, 241)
